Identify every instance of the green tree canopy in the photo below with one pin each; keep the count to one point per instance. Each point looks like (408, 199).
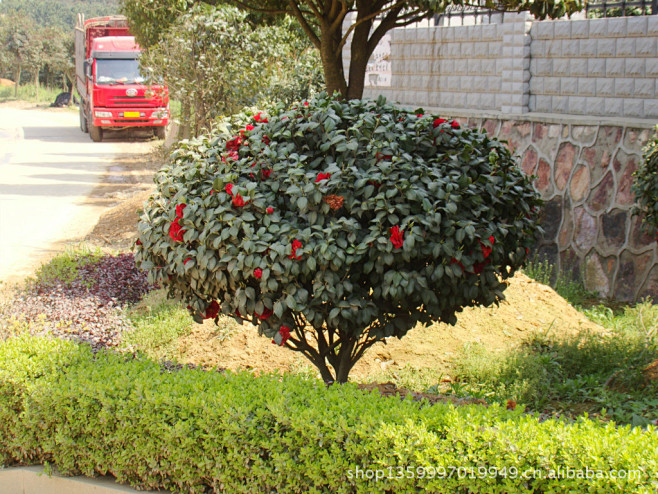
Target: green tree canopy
(60, 14)
(329, 24)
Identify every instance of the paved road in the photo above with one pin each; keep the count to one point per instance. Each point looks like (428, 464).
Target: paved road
(48, 168)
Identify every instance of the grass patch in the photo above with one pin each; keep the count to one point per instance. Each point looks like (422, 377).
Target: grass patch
(158, 323)
(26, 92)
(65, 267)
(571, 290)
(598, 374)
(417, 379)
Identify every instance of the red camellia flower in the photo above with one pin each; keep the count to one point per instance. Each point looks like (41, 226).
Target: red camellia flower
(285, 334)
(296, 244)
(265, 140)
(454, 124)
(185, 261)
(455, 261)
(438, 122)
(397, 237)
(179, 210)
(176, 231)
(305, 103)
(270, 210)
(322, 176)
(267, 313)
(487, 250)
(420, 115)
(248, 128)
(229, 189)
(212, 311)
(258, 273)
(266, 173)
(234, 144)
(260, 118)
(479, 266)
(238, 201)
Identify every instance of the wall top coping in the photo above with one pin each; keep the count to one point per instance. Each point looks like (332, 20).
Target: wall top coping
(551, 118)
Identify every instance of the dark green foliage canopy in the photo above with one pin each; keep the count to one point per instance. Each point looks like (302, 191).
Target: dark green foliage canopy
(645, 186)
(333, 225)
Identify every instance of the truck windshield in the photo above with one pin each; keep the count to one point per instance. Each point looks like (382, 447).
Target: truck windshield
(118, 71)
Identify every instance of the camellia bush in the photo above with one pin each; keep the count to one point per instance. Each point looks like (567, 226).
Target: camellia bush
(335, 224)
(645, 185)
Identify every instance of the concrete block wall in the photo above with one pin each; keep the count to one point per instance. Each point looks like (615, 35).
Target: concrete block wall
(447, 67)
(452, 66)
(595, 67)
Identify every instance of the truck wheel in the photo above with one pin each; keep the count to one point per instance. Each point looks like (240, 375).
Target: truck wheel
(96, 133)
(83, 121)
(160, 132)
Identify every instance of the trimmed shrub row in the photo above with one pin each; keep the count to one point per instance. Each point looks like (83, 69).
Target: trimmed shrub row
(195, 431)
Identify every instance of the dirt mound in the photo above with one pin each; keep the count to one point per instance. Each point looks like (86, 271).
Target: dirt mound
(118, 225)
(530, 307)
(6, 83)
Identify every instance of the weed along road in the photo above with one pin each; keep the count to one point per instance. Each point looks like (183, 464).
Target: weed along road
(48, 169)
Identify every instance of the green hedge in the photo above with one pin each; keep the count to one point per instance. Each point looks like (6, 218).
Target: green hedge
(194, 431)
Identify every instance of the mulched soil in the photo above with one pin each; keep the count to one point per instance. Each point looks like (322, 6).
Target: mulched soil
(86, 309)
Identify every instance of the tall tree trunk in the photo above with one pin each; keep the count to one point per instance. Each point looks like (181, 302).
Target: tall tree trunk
(359, 60)
(345, 362)
(184, 129)
(36, 85)
(332, 63)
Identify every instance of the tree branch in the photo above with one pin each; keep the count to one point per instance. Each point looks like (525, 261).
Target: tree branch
(305, 25)
(340, 17)
(410, 21)
(385, 26)
(314, 8)
(247, 6)
(398, 6)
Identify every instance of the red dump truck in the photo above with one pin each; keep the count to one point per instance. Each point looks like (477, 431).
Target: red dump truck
(113, 93)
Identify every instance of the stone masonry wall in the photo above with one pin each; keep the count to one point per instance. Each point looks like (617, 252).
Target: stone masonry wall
(584, 173)
(595, 66)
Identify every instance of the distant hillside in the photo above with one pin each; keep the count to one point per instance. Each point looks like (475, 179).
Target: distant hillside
(60, 13)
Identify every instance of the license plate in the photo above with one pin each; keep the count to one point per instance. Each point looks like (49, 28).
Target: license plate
(131, 114)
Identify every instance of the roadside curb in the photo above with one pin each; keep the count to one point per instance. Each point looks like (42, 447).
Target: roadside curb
(33, 480)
